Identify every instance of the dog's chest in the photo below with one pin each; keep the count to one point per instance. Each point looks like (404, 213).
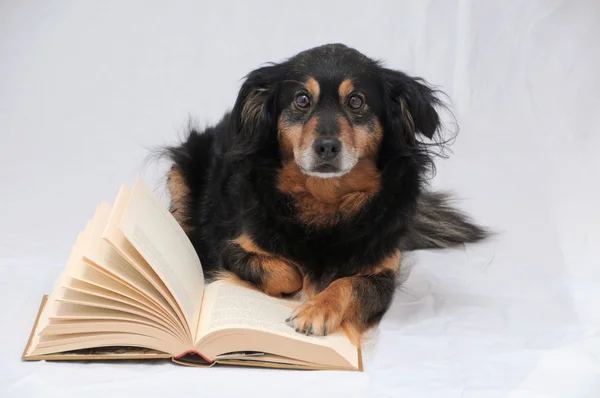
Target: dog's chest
(325, 202)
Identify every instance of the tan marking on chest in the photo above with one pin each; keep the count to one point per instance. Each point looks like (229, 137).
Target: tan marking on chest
(326, 201)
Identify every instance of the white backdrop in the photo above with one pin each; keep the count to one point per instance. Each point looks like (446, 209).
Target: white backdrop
(86, 88)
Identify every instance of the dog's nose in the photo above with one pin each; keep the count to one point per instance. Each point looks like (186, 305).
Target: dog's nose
(327, 148)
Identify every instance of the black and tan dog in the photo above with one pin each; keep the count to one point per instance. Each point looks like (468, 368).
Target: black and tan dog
(314, 183)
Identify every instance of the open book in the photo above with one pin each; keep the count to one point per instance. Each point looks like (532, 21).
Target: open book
(133, 287)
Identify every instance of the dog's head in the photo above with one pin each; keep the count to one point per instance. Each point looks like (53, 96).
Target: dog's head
(330, 107)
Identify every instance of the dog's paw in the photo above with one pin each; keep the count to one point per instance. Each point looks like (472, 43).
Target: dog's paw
(280, 277)
(318, 316)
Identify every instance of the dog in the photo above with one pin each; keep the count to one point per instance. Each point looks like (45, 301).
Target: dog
(315, 183)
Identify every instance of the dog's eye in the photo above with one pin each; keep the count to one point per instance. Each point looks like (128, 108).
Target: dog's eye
(302, 101)
(355, 102)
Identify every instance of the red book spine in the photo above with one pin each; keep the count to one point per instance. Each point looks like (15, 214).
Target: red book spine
(193, 352)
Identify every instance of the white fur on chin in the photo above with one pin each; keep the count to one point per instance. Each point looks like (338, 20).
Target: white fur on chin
(307, 159)
(325, 175)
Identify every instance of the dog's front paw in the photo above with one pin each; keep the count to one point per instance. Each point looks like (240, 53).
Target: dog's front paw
(318, 316)
(280, 277)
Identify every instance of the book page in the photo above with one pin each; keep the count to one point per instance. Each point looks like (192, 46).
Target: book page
(51, 305)
(84, 287)
(121, 245)
(228, 306)
(98, 279)
(109, 269)
(78, 297)
(53, 344)
(63, 299)
(157, 236)
(66, 311)
(233, 306)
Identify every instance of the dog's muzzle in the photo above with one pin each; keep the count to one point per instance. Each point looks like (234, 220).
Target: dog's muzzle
(327, 157)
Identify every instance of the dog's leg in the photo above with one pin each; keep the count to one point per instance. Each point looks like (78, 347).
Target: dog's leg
(356, 302)
(273, 274)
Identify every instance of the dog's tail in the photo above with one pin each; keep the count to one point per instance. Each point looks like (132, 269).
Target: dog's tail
(436, 224)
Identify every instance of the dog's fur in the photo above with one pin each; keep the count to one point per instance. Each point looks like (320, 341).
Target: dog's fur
(262, 200)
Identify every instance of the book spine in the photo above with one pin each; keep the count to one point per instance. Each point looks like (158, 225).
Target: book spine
(193, 352)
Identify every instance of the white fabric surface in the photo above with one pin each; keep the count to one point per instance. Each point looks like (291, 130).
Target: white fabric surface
(87, 87)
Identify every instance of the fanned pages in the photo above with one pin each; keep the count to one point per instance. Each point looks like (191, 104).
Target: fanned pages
(133, 287)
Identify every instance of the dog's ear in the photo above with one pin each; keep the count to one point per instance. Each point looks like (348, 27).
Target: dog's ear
(411, 104)
(254, 113)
